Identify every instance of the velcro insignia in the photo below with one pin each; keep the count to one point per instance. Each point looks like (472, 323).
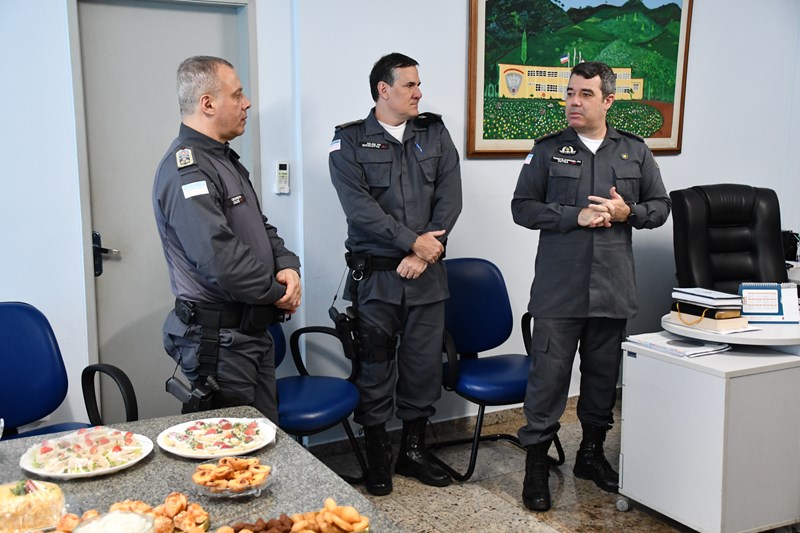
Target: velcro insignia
(184, 157)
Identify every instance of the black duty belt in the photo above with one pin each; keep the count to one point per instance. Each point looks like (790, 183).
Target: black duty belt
(227, 315)
(366, 263)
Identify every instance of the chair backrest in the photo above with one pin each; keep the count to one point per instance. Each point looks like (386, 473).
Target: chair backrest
(33, 380)
(726, 234)
(478, 313)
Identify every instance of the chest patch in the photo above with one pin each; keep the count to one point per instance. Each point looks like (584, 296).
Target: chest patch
(567, 150)
(565, 161)
(235, 200)
(374, 145)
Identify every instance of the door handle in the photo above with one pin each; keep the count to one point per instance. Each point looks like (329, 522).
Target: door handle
(98, 251)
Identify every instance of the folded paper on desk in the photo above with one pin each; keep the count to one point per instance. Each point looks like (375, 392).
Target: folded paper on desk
(676, 345)
(706, 297)
(770, 302)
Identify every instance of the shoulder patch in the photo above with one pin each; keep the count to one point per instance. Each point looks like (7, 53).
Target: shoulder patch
(425, 119)
(631, 135)
(348, 124)
(184, 157)
(546, 136)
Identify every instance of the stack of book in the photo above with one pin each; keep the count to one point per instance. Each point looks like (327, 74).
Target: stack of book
(707, 309)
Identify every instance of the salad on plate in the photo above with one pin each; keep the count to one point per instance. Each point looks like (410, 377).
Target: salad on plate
(216, 437)
(86, 452)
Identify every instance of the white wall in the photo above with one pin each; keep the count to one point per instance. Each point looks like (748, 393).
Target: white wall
(41, 231)
(314, 58)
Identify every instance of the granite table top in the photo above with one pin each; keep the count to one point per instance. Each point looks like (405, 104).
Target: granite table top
(301, 482)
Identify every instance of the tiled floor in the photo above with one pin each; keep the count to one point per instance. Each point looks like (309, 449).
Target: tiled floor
(491, 500)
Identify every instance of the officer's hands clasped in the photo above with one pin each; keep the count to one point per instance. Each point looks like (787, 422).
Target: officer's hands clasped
(428, 247)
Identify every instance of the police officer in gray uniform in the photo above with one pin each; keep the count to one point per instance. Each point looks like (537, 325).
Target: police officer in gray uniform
(398, 179)
(585, 188)
(229, 270)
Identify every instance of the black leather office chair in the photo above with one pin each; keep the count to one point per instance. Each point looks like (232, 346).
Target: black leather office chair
(726, 234)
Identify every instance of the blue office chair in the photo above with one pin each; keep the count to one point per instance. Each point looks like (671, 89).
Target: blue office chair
(478, 318)
(33, 381)
(309, 404)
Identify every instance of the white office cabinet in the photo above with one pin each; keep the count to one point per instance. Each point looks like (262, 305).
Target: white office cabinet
(713, 442)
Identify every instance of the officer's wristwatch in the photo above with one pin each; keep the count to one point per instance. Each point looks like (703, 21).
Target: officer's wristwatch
(632, 213)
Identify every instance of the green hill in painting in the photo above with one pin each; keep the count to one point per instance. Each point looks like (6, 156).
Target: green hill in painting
(539, 32)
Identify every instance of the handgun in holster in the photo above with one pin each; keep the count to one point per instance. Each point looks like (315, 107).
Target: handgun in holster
(346, 325)
(198, 398)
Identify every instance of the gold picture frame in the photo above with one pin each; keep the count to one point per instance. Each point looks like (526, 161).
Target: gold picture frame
(650, 47)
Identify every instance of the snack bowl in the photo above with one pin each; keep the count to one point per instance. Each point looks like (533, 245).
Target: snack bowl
(232, 477)
(118, 522)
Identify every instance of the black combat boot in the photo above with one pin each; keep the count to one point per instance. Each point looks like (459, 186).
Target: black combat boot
(535, 490)
(379, 460)
(413, 460)
(591, 462)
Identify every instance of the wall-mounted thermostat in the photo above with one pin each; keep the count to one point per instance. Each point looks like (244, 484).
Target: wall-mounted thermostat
(282, 178)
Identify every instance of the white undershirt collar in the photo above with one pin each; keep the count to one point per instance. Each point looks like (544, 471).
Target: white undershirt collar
(395, 131)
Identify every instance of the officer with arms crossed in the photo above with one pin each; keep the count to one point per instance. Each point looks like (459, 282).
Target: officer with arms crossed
(585, 188)
(398, 179)
(229, 270)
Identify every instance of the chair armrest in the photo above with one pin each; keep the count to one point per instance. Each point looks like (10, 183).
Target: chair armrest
(449, 348)
(527, 333)
(294, 347)
(125, 387)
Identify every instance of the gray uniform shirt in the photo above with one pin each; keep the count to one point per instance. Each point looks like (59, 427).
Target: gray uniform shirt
(391, 192)
(586, 272)
(218, 245)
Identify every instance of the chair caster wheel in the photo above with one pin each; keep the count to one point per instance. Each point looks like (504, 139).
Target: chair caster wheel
(623, 504)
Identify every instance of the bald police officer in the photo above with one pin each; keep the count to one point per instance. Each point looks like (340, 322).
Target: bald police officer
(229, 270)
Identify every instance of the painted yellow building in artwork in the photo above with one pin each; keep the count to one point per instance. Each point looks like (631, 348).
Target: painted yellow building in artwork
(526, 81)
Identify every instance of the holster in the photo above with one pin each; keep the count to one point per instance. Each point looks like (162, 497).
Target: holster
(199, 398)
(376, 346)
(248, 319)
(346, 325)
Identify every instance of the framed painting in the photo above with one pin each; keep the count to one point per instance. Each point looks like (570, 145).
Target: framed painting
(521, 53)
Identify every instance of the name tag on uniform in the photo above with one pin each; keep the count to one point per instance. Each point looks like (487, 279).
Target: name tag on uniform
(194, 189)
(565, 161)
(376, 146)
(235, 200)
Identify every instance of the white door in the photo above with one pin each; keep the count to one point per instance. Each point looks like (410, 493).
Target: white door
(130, 51)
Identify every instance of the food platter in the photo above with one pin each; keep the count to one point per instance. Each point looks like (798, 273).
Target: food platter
(86, 453)
(211, 438)
(230, 488)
